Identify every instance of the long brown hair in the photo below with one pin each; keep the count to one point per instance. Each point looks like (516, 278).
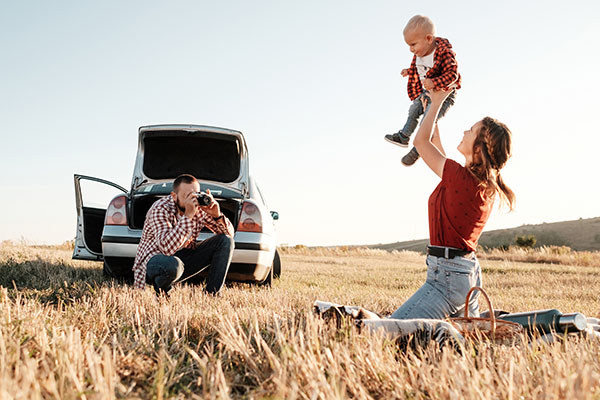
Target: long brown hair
(491, 150)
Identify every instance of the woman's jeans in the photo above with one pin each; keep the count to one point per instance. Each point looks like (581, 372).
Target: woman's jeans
(416, 110)
(444, 292)
(162, 271)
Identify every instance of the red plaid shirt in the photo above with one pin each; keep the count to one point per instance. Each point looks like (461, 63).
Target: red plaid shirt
(443, 73)
(165, 232)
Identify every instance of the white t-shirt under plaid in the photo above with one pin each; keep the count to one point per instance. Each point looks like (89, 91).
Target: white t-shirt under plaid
(166, 232)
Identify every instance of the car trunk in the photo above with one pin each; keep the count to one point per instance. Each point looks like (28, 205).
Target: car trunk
(217, 157)
(141, 203)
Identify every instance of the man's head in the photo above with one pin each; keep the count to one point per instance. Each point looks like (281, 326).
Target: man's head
(182, 187)
(419, 35)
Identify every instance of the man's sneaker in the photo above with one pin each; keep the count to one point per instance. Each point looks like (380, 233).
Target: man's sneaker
(398, 139)
(411, 157)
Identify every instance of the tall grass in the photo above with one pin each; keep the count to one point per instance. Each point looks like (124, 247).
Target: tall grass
(67, 333)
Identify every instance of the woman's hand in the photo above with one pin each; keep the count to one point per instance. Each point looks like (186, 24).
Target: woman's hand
(438, 96)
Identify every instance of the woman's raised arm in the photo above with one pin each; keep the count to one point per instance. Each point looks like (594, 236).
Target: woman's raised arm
(433, 157)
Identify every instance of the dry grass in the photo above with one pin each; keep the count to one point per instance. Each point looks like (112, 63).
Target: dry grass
(545, 255)
(66, 333)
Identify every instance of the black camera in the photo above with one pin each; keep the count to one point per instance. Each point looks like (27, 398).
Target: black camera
(203, 199)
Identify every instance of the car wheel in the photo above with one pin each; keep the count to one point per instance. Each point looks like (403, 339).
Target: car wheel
(107, 271)
(118, 268)
(269, 279)
(276, 265)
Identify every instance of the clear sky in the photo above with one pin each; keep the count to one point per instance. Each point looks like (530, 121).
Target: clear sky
(314, 86)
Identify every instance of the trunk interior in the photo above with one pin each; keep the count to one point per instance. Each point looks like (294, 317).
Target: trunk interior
(139, 206)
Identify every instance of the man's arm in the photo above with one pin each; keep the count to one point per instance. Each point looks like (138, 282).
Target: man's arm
(220, 225)
(170, 238)
(214, 219)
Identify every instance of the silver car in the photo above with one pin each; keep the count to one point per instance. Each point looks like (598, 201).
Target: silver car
(218, 158)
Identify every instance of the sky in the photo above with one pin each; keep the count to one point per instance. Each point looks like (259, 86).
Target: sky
(313, 85)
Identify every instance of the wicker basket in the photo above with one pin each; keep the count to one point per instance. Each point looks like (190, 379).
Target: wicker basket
(490, 328)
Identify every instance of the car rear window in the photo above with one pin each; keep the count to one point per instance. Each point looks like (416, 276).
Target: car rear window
(210, 157)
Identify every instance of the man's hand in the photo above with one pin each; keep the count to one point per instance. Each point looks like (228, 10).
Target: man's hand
(190, 203)
(213, 208)
(404, 72)
(428, 84)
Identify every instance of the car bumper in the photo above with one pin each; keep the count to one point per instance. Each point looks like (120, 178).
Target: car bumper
(252, 257)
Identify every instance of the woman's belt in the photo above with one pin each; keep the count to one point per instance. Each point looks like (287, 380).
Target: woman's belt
(446, 252)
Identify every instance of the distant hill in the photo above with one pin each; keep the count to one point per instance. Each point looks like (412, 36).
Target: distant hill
(581, 234)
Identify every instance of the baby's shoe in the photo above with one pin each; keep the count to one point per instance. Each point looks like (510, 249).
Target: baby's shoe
(411, 157)
(398, 139)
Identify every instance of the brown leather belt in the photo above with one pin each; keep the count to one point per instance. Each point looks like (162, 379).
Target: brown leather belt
(446, 252)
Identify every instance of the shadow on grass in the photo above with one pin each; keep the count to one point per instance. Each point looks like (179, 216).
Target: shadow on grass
(50, 281)
(42, 274)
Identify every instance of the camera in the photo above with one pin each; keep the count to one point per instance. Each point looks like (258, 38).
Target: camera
(203, 199)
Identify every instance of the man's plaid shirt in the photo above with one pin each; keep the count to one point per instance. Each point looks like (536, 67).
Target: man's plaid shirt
(443, 73)
(166, 232)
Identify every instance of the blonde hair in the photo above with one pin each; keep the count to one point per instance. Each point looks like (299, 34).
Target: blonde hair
(491, 151)
(420, 23)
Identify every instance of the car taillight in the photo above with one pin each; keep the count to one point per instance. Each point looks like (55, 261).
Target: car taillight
(250, 220)
(116, 214)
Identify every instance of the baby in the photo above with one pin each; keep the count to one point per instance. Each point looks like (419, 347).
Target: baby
(433, 67)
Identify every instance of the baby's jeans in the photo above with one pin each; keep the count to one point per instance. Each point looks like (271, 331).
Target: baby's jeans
(444, 292)
(416, 110)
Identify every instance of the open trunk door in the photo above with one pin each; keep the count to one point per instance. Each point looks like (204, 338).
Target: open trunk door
(211, 154)
(90, 216)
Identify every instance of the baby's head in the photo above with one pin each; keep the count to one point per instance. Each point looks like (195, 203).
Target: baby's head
(419, 35)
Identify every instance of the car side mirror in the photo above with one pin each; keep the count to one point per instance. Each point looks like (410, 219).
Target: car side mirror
(275, 215)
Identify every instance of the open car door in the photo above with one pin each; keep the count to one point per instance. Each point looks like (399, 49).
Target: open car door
(90, 216)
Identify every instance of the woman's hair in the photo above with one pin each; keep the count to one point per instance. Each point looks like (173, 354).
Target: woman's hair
(491, 150)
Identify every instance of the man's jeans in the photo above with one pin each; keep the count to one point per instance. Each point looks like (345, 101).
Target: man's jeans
(416, 110)
(444, 292)
(162, 271)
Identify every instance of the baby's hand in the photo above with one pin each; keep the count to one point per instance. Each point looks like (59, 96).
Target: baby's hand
(404, 72)
(428, 84)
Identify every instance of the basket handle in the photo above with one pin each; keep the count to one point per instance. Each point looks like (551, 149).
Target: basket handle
(489, 303)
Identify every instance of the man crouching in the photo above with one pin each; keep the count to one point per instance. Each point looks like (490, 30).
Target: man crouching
(168, 251)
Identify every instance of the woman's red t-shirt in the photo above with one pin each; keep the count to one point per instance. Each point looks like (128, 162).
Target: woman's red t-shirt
(458, 209)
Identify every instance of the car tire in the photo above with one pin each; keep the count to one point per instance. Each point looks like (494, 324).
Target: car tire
(269, 279)
(276, 266)
(107, 271)
(118, 268)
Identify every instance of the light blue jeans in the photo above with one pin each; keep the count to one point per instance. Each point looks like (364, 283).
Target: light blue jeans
(445, 289)
(416, 110)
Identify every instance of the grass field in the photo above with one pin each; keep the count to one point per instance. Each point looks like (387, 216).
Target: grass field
(67, 333)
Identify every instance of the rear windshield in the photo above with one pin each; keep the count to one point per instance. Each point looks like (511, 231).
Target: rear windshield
(211, 157)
